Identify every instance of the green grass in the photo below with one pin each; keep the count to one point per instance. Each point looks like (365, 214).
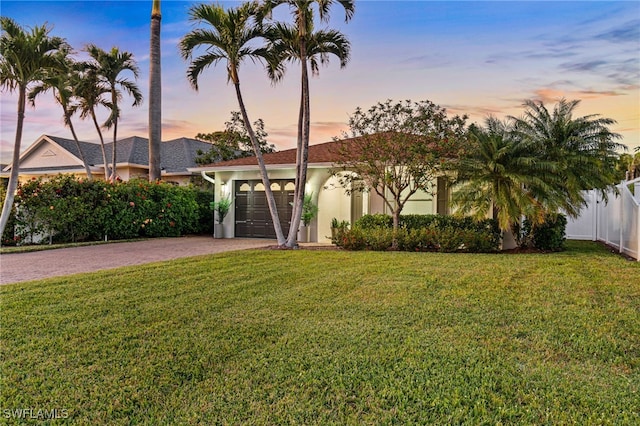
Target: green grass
(332, 337)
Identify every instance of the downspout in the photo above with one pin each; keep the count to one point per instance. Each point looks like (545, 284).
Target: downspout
(206, 177)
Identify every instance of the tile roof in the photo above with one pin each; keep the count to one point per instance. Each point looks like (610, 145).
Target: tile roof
(322, 153)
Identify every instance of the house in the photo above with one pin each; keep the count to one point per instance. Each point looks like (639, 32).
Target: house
(52, 155)
(250, 217)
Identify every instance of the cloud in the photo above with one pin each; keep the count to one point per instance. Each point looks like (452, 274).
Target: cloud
(553, 95)
(628, 32)
(427, 62)
(593, 65)
(321, 131)
(623, 71)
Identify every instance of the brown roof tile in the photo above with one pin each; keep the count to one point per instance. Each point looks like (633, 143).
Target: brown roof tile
(320, 153)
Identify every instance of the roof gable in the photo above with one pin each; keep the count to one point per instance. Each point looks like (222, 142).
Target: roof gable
(53, 153)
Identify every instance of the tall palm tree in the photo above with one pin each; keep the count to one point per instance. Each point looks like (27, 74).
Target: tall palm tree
(230, 39)
(108, 66)
(302, 12)
(155, 95)
(583, 149)
(90, 92)
(502, 176)
(62, 81)
(24, 58)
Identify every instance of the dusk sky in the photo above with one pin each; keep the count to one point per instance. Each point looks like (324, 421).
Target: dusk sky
(472, 57)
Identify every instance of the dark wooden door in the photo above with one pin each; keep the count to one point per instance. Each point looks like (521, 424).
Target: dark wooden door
(253, 218)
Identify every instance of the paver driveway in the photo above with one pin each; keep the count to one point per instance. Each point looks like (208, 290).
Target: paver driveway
(17, 267)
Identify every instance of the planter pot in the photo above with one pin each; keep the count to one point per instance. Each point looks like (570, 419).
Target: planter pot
(218, 230)
(303, 234)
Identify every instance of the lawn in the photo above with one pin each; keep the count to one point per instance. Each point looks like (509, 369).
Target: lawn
(331, 337)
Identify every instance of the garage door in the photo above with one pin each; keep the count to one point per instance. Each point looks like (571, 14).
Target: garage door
(252, 211)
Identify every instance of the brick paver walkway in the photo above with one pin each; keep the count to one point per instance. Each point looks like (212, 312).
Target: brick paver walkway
(17, 267)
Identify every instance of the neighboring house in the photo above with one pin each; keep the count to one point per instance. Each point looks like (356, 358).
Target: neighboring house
(250, 217)
(52, 155)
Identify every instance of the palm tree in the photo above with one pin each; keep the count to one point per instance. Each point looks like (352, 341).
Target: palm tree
(583, 149)
(502, 176)
(230, 39)
(108, 66)
(155, 95)
(24, 58)
(62, 81)
(302, 35)
(90, 92)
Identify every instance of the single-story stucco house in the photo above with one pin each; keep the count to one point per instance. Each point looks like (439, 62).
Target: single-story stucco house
(52, 155)
(250, 217)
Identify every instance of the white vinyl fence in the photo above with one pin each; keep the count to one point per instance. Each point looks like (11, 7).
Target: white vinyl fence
(616, 222)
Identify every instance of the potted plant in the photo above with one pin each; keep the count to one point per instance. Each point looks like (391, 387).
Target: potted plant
(221, 209)
(337, 228)
(334, 228)
(309, 212)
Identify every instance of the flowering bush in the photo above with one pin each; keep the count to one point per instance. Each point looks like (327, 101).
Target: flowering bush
(66, 209)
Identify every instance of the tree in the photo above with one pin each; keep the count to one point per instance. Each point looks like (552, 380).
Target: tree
(297, 44)
(24, 58)
(500, 175)
(155, 95)
(108, 66)
(230, 38)
(233, 142)
(90, 92)
(396, 149)
(583, 149)
(62, 81)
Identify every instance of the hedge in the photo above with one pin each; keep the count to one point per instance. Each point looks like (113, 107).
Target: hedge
(421, 233)
(66, 209)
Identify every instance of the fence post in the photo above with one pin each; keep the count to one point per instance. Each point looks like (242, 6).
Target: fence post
(622, 196)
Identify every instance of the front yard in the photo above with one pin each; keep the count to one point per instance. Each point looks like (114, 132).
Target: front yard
(318, 337)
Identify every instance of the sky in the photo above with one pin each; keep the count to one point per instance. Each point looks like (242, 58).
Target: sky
(477, 58)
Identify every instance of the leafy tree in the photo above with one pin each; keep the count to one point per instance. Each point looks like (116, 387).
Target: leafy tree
(624, 167)
(582, 149)
(233, 142)
(62, 81)
(300, 43)
(108, 66)
(230, 38)
(500, 175)
(24, 58)
(397, 149)
(155, 95)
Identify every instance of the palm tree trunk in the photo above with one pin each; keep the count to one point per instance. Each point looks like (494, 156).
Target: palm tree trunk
(114, 173)
(104, 153)
(271, 202)
(75, 138)
(155, 96)
(15, 164)
(303, 154)
(293, 230)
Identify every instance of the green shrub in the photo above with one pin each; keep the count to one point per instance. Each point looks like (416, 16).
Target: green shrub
(351, 239)
(427, 233)
(8, 237)
(370, 221)
(550, 235)
(66, 209)
(204, 199)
